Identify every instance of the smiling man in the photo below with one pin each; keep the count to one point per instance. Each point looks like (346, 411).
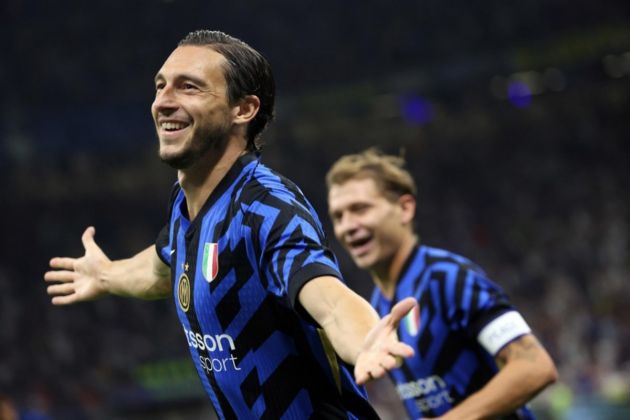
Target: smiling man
(271, 328)
(476, 357)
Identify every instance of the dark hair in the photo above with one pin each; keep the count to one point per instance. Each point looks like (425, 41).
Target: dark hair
(247, 73)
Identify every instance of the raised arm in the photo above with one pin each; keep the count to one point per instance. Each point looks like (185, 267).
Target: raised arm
(94, 275)
(354, 328)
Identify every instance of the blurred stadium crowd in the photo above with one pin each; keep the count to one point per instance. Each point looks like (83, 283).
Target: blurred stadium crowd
(522, 160)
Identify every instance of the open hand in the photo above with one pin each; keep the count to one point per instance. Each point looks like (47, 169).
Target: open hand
(77, 279)
(381, 350)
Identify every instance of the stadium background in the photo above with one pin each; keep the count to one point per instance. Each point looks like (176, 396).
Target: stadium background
(514, 119)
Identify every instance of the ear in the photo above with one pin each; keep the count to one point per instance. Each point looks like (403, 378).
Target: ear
(246, 109)
(407, 203)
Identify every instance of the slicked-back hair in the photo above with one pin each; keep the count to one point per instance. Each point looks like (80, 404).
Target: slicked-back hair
(247, 73)
(387, 171)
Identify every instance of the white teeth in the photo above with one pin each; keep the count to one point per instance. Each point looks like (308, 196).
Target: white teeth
(173, 125)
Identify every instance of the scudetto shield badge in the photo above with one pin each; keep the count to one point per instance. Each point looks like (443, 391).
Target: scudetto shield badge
(412, 321)
(210, 264)
(183, 292)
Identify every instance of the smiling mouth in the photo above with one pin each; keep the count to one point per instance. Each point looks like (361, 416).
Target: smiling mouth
(173, 127)
(359, 246)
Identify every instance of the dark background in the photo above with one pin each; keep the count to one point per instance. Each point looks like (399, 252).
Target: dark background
(514, 119)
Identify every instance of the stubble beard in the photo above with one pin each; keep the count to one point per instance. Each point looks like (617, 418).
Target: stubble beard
(203, 141)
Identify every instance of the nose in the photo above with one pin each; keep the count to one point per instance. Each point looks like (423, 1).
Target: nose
(165, 101)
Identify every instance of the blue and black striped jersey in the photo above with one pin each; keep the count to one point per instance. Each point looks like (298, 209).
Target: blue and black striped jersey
(462, 321)
(237, 269)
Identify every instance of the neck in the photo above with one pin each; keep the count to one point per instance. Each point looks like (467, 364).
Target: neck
(201, 179)
(386, 275)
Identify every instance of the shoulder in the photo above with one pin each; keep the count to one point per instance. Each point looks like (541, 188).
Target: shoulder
(437, 259)
(468, 298)
(267, 187)
(451, 270)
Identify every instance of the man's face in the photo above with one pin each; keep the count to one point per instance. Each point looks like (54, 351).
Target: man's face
(367, 224)
(190, 110)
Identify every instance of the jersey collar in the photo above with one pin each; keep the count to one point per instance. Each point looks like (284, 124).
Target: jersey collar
(229, 178)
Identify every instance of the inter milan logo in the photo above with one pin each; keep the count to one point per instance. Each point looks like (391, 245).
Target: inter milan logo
(210, 265)
(183, 292)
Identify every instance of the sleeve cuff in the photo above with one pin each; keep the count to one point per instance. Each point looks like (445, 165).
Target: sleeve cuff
(161, 256)
(303, 276)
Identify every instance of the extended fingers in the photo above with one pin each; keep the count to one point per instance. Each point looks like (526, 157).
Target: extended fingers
(64, 300)
(369, 372)
(375, 365)
(389, 358)
(402, 308)
(388, 362)
(63, 263)
(60, 275)
(398, 348)
(363, 376)
(60, 289)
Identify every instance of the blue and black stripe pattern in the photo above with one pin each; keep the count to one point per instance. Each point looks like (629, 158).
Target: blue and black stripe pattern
(257, 352)
(456, 301)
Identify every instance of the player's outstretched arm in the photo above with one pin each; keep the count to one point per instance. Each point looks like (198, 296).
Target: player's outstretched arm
(94, 275)
(354, 328)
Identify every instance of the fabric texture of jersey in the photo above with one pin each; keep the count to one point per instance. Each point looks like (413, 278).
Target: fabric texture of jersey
(456, 301)
(236, 270)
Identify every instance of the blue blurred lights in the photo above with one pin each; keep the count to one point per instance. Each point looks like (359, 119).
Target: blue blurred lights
(416, 110)
(519, 93)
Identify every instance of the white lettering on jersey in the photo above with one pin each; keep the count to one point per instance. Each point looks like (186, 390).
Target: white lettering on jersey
(212, 343)
(428, 393)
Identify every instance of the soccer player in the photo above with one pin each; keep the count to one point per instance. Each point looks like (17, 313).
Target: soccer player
(476, 357)
(271, 329)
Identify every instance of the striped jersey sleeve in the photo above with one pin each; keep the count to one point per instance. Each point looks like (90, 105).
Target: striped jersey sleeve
(293, 247)
(163, 241)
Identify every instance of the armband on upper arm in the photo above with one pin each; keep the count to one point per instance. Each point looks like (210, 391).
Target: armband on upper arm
(502, 330)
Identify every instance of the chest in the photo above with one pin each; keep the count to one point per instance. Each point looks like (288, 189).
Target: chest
(212, 265)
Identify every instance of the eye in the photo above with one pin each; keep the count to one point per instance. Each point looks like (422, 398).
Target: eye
(159, 86)
(189, 86)
(360, 208)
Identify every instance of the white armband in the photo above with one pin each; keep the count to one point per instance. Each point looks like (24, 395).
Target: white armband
(501, 331)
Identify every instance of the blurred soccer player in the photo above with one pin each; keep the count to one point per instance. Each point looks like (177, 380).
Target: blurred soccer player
(257, 289)
(476, 357)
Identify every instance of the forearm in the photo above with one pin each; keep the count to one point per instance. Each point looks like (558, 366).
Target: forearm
(345, 316)
(142, 276)
(523, 376)
(348, 324)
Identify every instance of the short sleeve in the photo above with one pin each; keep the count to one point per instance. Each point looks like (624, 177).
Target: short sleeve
(292, 245)
(163, 246)
(488, 316)
(469, 299)
(163, 240)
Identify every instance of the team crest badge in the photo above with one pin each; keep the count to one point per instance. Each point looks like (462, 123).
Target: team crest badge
(183, 292)
(210, 264)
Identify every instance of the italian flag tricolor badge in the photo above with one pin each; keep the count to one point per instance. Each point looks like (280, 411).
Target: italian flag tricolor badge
(210, 264)
(411, 321)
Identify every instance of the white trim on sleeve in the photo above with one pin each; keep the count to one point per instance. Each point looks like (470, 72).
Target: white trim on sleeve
(502, 330)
